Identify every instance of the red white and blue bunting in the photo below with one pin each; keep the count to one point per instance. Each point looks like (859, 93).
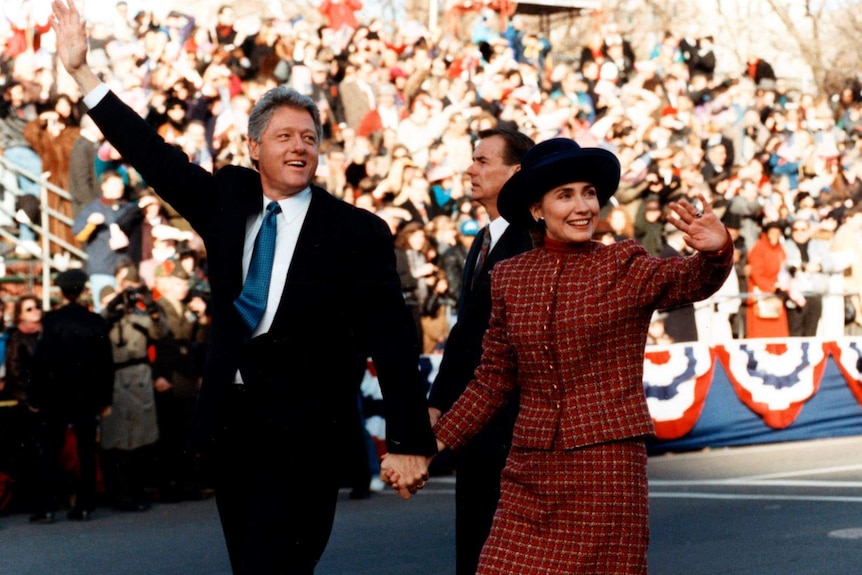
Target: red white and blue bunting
(772, 378)
(847, 354)
(676, 381)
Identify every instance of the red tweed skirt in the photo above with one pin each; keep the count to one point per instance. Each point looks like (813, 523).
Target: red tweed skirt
(581, 511)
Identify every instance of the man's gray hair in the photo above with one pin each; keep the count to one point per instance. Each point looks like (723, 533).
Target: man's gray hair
(280, 97)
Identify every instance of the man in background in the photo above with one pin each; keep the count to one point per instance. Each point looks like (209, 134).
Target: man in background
(477, 484)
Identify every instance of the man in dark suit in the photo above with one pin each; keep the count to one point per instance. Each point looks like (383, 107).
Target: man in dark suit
(73, 387)
(284, 363)
(477, 489)
(679, 322)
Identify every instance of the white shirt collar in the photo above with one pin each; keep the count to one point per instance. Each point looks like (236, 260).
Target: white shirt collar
(497, 227)
(294, 205)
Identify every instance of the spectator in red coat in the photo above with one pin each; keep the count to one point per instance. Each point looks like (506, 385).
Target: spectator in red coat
(340, 13)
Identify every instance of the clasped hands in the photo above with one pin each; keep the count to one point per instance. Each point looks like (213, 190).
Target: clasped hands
(406, 474)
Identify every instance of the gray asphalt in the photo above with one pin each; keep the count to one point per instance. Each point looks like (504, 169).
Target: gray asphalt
(783, 509)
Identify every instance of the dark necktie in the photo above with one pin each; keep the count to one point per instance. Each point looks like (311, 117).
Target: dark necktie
(251, 303)
(484, 238)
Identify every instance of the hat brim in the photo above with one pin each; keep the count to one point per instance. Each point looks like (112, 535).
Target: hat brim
(527, 186)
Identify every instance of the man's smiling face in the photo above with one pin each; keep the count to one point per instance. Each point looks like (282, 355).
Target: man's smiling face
(287, 153)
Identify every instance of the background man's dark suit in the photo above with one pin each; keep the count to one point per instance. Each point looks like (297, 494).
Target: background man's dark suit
(481, 461)
(73, 385)
(679, 322)
(341, 303)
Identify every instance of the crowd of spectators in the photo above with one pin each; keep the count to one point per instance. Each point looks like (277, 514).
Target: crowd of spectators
(401, 108)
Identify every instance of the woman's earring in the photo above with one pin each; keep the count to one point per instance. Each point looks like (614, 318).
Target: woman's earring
(541, 220)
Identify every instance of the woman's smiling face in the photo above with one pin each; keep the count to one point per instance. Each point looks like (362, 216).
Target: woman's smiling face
(570, 211)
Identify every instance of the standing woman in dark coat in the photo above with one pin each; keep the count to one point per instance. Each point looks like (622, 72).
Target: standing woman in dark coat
(21, 347)
(20, 364)
(568, 327)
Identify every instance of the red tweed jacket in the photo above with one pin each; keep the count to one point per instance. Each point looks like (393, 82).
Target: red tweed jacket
(568, 327)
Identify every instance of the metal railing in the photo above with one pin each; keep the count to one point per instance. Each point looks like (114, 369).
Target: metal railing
(43, 227)
(746, 300)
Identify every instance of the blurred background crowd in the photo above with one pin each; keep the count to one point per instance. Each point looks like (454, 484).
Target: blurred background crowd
(402, 106)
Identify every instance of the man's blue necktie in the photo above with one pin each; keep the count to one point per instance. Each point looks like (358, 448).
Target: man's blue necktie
(251, 303)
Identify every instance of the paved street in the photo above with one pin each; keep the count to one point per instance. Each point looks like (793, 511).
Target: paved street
(784, 509)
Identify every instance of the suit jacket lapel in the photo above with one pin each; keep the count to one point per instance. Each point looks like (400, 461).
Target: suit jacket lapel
(249, 203)
(306, 255)
(509, 244)
(470, 265)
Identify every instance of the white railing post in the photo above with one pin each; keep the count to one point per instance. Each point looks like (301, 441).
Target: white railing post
(46, 247)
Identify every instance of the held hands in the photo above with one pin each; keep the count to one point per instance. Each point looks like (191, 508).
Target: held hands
(704, 231)
(406, 474)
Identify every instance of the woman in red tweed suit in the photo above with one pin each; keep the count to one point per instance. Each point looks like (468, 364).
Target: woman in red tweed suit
(568, 327)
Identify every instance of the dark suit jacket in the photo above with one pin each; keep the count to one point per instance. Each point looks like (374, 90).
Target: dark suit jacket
(464, 346)
(341, 303)
(74, 365)
(679, 322)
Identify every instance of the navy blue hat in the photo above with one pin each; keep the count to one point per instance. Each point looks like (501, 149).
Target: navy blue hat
(71, 281)
(553, 163)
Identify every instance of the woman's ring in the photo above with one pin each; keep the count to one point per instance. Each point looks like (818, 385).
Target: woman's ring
(698, 214)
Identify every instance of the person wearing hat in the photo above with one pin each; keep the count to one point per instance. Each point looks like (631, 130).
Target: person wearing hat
(73, 389)
(283, 361)
(568, 327)
(477, 483)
